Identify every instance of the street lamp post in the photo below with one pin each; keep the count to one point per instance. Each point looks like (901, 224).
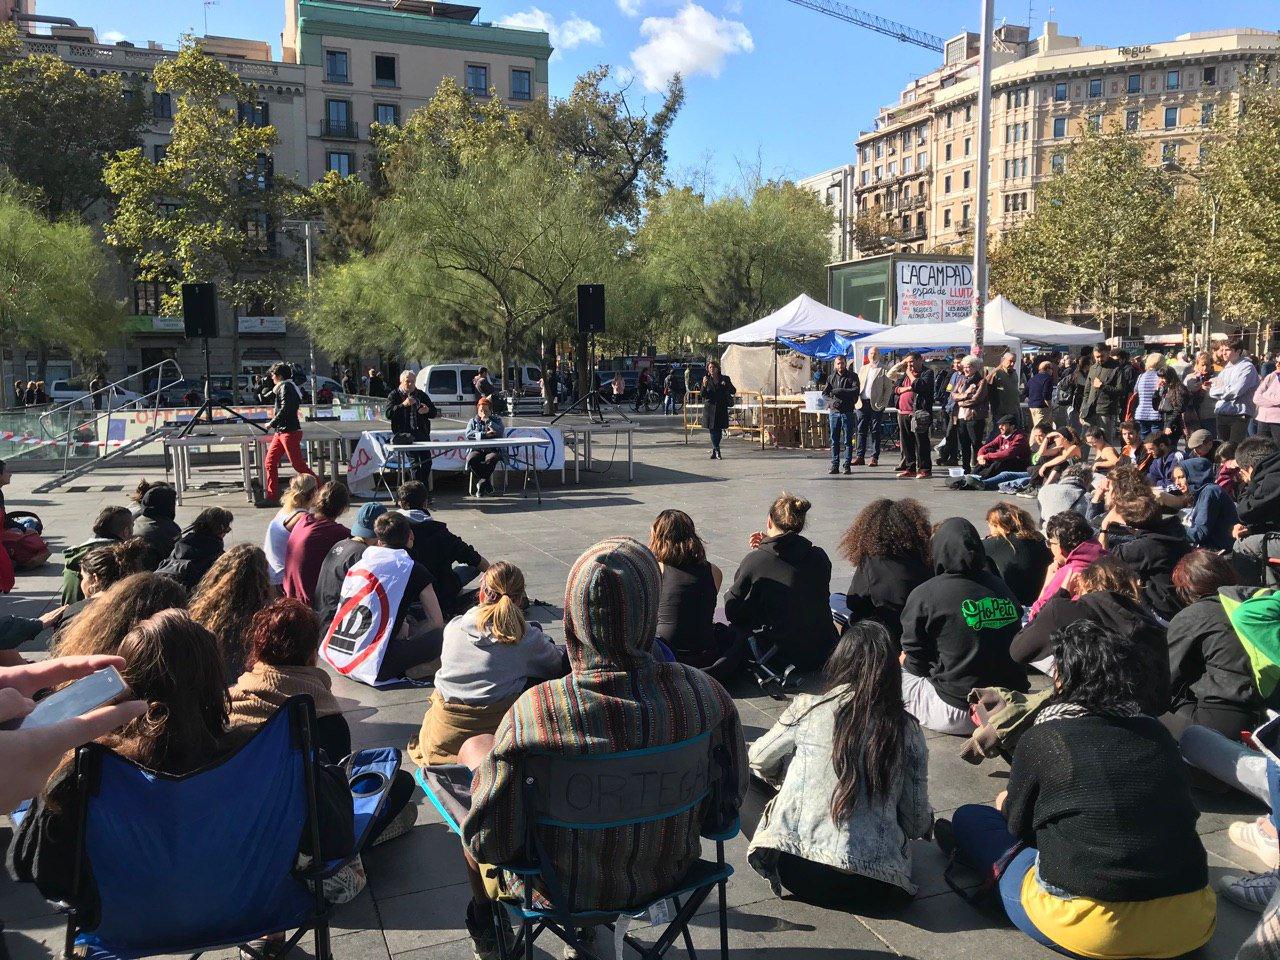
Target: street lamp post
(306, 226)
(984, 163)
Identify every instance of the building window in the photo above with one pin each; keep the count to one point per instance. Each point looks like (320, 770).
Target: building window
(256, 114)
(1210, 76)
(1059, 92)
(906, 139)
(264, 170)
(1169, 153)
(1058, 163)
(1170, 117)
(893, 168)
(948, 119)
(1172, 80)
(147, 296)
(964, 180)
(477, 80)
(964, 215)
(162, 106)
(259, 235)
(968, 143)
(879, 149)
(521, 85)
(1059, 127)
(922, 161)
(1203, 153)
(946, 184)
(906, 164)
(337, 119)
(920, 221)
(921, 136)
(968, 113)
(946, 153)
(1095, 87)
(1206, 114)
(879, 174)
(158, 151)
(1135, 83)
(384, 70)
(865, 177)
(946, 218)
(338, 162)
(387, 114)
(1095, 122)
(336, 67)
(1131, 121)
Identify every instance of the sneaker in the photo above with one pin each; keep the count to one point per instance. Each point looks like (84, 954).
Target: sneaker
(400, 824)
(1249, 835)
(484, 937)
(1252, 891)
(833, 471)
(262, 949)
(587, 939)
(857, 462)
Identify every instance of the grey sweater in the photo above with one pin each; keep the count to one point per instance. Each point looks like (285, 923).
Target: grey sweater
(478, 670)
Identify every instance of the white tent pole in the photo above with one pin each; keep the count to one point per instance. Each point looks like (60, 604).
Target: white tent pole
(984, 165)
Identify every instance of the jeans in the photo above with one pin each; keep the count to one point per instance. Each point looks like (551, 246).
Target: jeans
(916, 451)
(287, 444)
(869, 422)
(1147, 428)
(1004, 476)
(970, 437)
(840, 423)
(668, 404)
(716, 434)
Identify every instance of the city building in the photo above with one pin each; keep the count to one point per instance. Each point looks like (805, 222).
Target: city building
(834, 188)
(345, 65)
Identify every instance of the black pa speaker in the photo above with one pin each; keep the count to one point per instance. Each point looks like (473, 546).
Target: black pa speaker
(591, 308)
(200, 309)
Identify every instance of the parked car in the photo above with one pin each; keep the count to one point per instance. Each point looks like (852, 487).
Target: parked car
(449, 384)
(68, 391)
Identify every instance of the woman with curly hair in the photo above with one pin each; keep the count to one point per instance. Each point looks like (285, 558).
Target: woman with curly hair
(236, 587)
(102, 625)
(888, 545)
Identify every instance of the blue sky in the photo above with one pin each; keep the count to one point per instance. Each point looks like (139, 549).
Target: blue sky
(771, 85)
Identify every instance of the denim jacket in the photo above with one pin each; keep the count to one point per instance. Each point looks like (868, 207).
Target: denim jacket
(796, 756)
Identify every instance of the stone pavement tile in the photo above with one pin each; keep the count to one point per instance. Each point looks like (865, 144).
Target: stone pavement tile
(424, 918)
(428, 857)
(953, 781)
(1219, 811)
(384, 725)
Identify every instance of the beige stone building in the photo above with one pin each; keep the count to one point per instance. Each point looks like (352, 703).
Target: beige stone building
(834, 188)
(917, 170)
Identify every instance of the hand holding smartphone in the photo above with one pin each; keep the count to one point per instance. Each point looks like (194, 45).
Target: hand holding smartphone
(98, 689)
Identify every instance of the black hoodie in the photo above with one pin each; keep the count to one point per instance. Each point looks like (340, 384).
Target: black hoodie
(156, 525)
(785, 584)
(1152, 553)
(879, 590)
(1209, 665)
(956, 627)
(1118, 614)
(192, 556)
(1259, 504)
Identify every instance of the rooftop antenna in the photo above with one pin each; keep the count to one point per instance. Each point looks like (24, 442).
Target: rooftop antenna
(207, 4)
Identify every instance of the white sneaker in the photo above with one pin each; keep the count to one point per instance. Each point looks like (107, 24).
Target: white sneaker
(1249, 835)
(1252, 891)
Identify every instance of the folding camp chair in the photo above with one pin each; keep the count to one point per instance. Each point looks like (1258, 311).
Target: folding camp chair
(554, 802)
(188, 864)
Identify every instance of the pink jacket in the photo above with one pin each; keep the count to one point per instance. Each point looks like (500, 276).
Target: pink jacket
(1077, 560)
(1267, 399)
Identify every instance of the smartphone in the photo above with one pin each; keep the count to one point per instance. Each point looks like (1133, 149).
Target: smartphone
(78, 697)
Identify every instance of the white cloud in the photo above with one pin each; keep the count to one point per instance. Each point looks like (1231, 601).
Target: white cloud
(566, 35)
(630, 7)
(693, 41)
(623, 75)
(111, 36)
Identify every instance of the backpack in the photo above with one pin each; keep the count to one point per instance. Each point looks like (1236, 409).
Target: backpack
(1002, 716)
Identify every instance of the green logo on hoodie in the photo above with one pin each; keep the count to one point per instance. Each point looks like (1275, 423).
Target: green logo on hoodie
(989, 613)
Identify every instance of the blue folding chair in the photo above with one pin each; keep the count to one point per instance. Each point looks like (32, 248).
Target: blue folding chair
(553, 799)
(191, 863)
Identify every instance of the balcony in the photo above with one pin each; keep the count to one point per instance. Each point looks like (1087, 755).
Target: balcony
(964, 226)
(340, 130)
(913, 233)
(913, 203)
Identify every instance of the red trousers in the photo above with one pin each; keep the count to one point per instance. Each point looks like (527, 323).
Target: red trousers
(288, 444)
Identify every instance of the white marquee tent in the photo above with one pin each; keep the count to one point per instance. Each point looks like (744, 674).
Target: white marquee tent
(802, 317)
(1004, 325)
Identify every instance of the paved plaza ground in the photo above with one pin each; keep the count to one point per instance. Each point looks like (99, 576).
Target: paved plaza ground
(413, 907)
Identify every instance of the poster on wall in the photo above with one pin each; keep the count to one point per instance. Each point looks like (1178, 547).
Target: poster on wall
(933, 292)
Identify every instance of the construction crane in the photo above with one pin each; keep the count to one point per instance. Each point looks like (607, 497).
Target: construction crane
(899, 31)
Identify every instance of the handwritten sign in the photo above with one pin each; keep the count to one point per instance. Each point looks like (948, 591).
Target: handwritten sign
(930, 292)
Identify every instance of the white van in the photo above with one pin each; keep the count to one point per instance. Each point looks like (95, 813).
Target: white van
(449, 384)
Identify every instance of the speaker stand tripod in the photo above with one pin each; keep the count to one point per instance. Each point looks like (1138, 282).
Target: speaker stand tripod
(590, 401)
(204, 413)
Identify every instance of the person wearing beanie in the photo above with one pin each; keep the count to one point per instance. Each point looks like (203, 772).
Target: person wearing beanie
(618, 697)
(342, 557)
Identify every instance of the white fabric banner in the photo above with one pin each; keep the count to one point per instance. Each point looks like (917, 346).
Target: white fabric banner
(370, 455)
(372, 592)
(931, 292)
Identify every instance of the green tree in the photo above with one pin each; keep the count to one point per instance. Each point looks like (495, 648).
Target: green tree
(208, 211)
(58, 125)
(345, 204)
(53, 280)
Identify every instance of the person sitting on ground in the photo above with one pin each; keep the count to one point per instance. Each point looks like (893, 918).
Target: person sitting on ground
(1006, 452)
(1060, 449)
(1112, 864)
(687, 605)
(102, 569)
(1105, 456)
(112, 525)
(851, 769)
(1124, 482)
(490, 656)
(172, 663)
(1228, 475)
(154, 521)
(312, 537)
(1017, 550)
(1163, 458)
(17, 631)
(452, 561)
(1258, 462)
(1152, 546)
(294, 502)
(1072, 543)
(618, 698)
(888, 546)
(483, 461)
(1211, 676)
(1107, 593)
(411, 647)
(956, 629)
(783, 589)
(1131, 447)
(236, 587)
(1071, 491)
(20, 538)
(1213, 513)
(103, 623)
(344, 555)
(198, 547)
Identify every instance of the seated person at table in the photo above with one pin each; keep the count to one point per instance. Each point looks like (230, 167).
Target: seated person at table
(491, 655)
(851, 769)
(1112, 865)
(1017, 550)
(113, 525)
(888, 546)
(783, 588)
(956, 629)
(198, 547)
(483, 461)
(452, 561)
(357, 643)
(311, 539)
(618, 698)
(344, 555)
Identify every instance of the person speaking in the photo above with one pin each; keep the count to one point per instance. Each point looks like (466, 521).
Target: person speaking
(410, 412)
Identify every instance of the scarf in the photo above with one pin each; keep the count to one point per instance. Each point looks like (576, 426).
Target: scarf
(263, 689)
(1069, 711)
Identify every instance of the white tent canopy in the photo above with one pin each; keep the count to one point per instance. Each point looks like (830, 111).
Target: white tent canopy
(802, 317)
(1004, 325)
(1004, 317)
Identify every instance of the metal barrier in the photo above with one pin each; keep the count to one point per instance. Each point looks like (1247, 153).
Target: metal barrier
(746, 414)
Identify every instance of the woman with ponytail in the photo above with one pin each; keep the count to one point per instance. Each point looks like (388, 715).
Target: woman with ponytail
(851, 769)
(491, 654)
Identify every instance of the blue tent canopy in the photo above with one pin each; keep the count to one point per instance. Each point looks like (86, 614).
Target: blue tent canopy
(826, 347)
